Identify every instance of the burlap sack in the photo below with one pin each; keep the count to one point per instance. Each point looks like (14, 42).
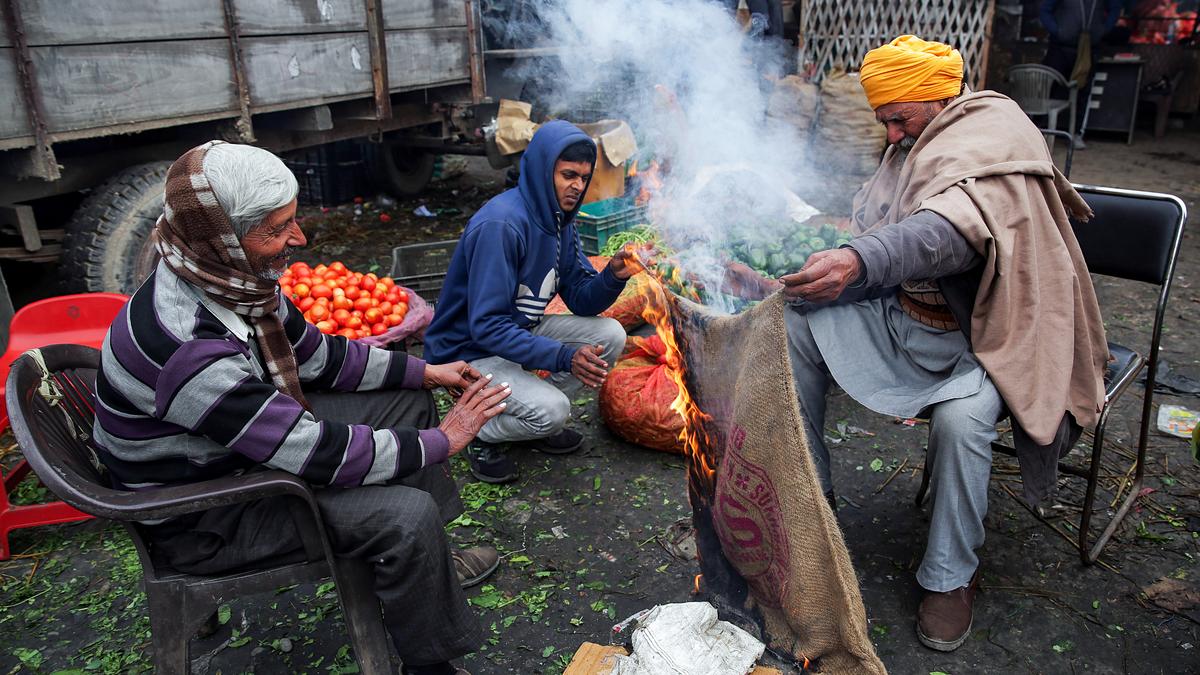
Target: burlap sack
(848, 138)
(772, 521)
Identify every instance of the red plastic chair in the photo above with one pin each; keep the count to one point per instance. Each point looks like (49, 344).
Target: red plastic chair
(81, 319)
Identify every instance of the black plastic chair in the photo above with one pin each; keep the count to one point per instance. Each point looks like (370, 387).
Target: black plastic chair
(1133, 235)
(51, 405)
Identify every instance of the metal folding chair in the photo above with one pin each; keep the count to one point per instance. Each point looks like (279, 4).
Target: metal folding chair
(1133, 235)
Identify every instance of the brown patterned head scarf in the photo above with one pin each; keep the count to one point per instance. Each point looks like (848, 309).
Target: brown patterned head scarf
(196, 240)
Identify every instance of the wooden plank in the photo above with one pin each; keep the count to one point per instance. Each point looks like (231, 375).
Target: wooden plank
(59, 22)
(271, 17)
(305, 67)
(88, 86)
(419, 58)
(14, 121)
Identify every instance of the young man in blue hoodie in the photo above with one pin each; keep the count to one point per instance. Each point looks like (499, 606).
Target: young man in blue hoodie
(517, 252)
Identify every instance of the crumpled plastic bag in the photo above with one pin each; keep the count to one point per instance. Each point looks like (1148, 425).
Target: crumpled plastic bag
(687, 639)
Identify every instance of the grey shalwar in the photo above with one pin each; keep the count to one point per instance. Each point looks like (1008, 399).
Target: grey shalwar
(895, 365)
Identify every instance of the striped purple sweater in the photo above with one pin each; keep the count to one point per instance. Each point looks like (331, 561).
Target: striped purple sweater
(182, 395)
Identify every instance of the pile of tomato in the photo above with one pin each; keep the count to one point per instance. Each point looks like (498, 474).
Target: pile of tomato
(341, 301)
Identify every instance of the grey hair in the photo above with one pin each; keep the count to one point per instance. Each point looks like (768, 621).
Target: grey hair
(249, 183)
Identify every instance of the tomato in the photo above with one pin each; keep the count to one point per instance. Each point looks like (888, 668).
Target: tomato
(388, 281)
(380, 293)
(373, 315)
(300, 290)
(385, 307)
(367, 284)
(348, 333)
(364, 294)
(319, 270)
(393, 319)
(403, 294)
(363, 332)
(299, 267)
(353, 322)
(286, 279)
(340, 315)
(305, 304)
(330, 275)
(378, 328)
(342, 302)
(318, 313)
(286, 290)
(400, 309)
(321, 301)
(321, 291)
(337, 266)
(327, 327)
(363, 304)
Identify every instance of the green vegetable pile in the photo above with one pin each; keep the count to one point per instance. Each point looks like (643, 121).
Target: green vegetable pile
(777, 258)
(638, 234)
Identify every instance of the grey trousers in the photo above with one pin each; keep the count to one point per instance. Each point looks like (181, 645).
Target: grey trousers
(540, 408)
(397, 527)
(959, 458)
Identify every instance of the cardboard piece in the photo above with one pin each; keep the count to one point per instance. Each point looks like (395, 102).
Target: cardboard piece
(615, 144)
(594, 659)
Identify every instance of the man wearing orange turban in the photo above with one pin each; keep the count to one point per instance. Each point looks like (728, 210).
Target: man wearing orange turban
(913, 317)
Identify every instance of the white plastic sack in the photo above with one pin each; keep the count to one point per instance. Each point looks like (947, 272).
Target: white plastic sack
(687, 639)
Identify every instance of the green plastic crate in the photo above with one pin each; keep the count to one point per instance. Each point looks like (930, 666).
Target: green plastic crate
(598, 221)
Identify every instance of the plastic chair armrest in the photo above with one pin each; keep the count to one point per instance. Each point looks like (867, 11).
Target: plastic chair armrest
(178, 500)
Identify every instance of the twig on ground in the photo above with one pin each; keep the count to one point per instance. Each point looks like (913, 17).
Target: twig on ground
(894, 474)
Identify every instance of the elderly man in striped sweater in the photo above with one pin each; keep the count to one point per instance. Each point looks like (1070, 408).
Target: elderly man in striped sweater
(209, 371)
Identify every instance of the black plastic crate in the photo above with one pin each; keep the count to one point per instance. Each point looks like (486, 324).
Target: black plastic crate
(330, 174)
(422, 267)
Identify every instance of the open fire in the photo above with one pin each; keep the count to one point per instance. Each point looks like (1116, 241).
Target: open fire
(719, 582)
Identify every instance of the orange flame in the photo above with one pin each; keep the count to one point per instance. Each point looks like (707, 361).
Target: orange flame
(651, 182)
(696, 584)
(657, 313)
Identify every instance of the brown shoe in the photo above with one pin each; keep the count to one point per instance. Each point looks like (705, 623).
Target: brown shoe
(474, 564)
(944, 619)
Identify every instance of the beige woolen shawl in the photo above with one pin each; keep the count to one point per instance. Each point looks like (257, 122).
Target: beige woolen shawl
(1036, 326)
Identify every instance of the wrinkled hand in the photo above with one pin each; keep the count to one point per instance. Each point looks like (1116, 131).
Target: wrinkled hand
(627, 263)
(743, 282)
(824, 276)
(474, 408)
(588, 366)
(455, 377)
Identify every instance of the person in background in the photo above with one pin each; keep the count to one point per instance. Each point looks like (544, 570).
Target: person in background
(963, 297)
(516, 253)
(1075, 29)
(209, 371)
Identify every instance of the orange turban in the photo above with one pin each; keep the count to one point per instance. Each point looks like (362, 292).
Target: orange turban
(911, 69)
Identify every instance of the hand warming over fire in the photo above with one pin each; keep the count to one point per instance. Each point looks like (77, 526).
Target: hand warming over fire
(588, 366)
(824, 276)
(743, 282)
(630, 260)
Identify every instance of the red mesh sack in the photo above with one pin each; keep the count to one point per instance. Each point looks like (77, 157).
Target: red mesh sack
(635, 400)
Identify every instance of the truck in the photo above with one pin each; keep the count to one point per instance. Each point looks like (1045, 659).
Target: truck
(97, 97)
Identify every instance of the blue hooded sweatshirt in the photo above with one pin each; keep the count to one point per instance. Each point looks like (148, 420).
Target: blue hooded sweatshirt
(516, 253)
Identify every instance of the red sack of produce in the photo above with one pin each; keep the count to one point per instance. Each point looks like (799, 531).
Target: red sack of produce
(635, 400)
(628, 307)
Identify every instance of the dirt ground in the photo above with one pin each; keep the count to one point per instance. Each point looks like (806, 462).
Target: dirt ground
(584, 538)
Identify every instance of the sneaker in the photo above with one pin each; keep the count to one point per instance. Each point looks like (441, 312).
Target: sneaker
(944, 619)
(562, 443)
(473, 565)
(490, 465)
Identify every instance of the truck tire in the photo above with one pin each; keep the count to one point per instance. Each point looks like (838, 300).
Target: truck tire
(405, 172)
(106, 246)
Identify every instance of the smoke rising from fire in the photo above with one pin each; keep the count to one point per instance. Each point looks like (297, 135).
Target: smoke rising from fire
(689, 82)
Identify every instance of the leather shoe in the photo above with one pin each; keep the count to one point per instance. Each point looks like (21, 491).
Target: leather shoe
(473, 565)
(944, 619)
